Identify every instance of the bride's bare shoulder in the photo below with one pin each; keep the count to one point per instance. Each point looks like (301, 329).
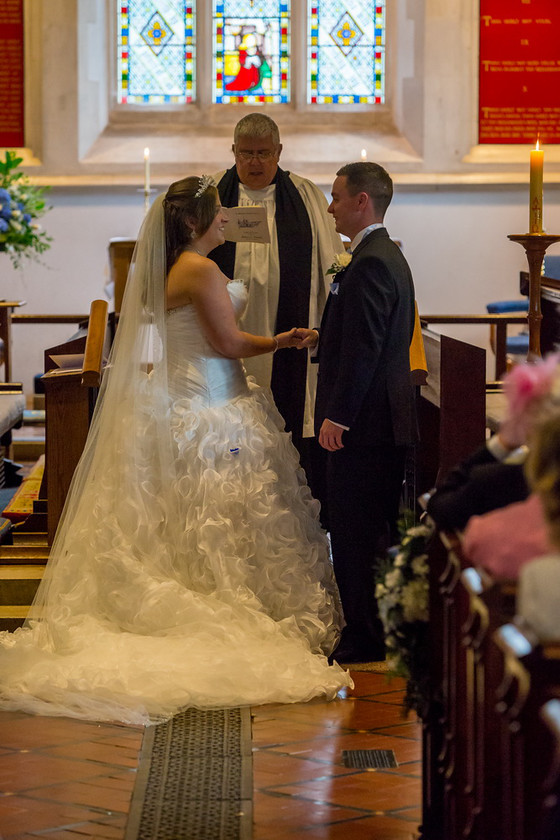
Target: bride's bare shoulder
(192, 266)
(191, 275)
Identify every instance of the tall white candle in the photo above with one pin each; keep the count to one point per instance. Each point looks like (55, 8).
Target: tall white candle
(536, 190)
(146, 170)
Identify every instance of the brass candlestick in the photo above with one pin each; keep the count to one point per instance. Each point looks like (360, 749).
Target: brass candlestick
(535, 245)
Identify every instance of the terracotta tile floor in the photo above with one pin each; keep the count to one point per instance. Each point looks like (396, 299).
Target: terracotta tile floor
(64, 779)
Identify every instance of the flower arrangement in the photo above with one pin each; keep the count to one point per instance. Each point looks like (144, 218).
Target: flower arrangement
(340, 262)
(20, 204)
(402, 590)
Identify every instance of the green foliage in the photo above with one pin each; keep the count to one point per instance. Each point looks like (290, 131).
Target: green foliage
(20, 205)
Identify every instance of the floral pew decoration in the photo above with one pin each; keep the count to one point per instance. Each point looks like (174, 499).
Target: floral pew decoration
(402, 593)
(20, 205)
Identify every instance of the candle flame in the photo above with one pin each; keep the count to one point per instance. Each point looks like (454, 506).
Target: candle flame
(364, 154)
(146, 153)
(537, 147)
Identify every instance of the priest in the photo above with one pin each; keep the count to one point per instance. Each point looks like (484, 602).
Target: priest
(288, 281)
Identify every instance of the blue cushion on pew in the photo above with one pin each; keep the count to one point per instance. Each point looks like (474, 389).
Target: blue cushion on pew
(517, 345)
(501, 306)
(552, 267)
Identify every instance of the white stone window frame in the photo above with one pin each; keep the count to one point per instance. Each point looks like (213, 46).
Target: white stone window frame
(203, 76)
(200, 132)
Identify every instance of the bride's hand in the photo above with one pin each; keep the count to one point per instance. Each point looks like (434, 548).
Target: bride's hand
(291, 338)
(308, 338)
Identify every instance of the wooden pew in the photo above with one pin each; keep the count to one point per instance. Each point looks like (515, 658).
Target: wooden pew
(69, 402)
(550, 309)
(499, 323)
(435, 743)
(12, 405)
(6, 316)
(528, 753)
(490, 605)
(70, 398)
(550, 714)
(451, 408)
(491, 765)
(465, 607)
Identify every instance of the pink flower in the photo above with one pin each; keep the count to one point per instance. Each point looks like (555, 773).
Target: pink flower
(528, 383)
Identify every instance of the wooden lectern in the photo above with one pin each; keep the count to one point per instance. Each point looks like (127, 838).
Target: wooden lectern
(120, 257)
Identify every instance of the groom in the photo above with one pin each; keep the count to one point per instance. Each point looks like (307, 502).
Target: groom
(364, 410)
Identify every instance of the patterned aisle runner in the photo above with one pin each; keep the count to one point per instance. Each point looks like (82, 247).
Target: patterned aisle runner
(195, 779)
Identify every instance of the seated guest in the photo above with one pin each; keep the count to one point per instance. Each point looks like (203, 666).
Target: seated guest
(539, 581)
(493, 476)
(503, 540)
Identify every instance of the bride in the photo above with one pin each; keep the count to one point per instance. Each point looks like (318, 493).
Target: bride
(189, 568)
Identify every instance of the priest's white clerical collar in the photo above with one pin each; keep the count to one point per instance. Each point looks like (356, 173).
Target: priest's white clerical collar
(257, 195)
(359, 236)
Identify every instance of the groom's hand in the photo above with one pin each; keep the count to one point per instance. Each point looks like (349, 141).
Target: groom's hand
(330, 436)
(307, 338)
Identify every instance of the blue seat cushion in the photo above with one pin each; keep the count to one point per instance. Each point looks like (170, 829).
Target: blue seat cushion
(517, 344)
(500, 306)
(552, 266)
(11, 411)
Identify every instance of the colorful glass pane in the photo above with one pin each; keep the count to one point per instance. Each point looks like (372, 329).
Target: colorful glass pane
(346, 52)
(251, 63)
(156, 51)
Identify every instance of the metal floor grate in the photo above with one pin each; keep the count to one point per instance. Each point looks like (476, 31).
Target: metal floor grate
(195, 779)
(365, 759)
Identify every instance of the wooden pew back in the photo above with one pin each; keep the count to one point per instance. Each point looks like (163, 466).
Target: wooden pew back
(491, 764)
(69, 403)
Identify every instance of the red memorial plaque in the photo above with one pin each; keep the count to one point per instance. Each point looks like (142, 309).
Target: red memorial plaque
(11, 73)
(519, 86)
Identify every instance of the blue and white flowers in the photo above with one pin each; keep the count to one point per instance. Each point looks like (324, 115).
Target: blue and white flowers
(20, 205)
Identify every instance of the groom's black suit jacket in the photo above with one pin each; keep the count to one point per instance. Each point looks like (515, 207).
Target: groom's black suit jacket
(364, 367)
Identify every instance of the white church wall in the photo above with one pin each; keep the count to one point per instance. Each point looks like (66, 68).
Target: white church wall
(71, 274)
(455, 240)
(454, 205)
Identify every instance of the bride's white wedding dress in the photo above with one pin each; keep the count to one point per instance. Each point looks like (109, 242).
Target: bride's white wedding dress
(211, 588)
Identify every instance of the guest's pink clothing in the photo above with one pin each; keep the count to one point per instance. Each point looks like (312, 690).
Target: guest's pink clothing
(503, 540)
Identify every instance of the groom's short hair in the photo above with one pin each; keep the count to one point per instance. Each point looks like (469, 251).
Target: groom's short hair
(372, 179)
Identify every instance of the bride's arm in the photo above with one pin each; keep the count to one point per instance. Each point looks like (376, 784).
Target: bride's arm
(198, 280)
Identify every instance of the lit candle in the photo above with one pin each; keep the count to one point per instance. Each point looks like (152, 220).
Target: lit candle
(536, 190)
(146, 170)
(364, 155)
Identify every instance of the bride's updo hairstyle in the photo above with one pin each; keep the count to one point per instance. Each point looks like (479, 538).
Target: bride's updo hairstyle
(189, 206)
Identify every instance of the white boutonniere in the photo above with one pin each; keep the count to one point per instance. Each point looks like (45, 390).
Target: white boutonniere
(340, 262)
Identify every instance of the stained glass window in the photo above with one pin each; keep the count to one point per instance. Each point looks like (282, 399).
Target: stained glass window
(346, 52)
(156, 51)
(251, 51)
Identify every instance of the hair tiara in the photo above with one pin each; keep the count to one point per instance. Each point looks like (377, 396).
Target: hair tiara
(204, 182)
